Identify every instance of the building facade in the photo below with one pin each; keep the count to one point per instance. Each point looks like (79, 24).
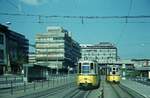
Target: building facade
(31, 59)
(13, 51)
(141, 62)
(104, 52)
(3, 60)
(56, 49)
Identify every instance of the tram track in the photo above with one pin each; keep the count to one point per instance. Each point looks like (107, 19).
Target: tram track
(120, 92)
(87, 94)
(72, 93)
(77, 93)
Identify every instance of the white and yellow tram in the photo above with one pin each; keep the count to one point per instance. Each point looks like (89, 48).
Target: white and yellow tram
(88, 74)
(113, 74)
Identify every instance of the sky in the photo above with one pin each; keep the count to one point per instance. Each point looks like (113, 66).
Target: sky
(131, 36)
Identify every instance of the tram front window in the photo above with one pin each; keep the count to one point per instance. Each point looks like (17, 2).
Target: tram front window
(79, 70)
(85, 69)
(113, 72)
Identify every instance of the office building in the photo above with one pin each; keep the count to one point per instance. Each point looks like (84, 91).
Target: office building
(13, 51)
(104, 52)
(56, 49)
(31, 59)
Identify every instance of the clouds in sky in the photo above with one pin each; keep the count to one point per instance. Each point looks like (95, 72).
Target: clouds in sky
(34, 2)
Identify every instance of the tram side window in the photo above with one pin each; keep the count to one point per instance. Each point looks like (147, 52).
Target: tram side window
(109, 70)
(92, 68)
(79, 67)
(95, 68)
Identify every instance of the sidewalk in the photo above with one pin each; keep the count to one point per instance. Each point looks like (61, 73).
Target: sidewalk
(141, 89)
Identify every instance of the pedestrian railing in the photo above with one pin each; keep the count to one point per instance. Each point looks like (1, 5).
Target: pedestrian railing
(51, 82)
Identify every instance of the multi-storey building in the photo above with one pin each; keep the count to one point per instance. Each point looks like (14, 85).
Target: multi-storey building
(104, 52)
(56, 49)
(31, 59)
(13, 51)
(2, 52)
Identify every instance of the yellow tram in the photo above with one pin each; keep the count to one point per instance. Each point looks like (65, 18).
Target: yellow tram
(113, 74)
(88, 74)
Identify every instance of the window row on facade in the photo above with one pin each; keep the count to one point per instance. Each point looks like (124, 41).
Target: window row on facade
(50, 50)
(99, 50)
(99, 54)
(49, 39)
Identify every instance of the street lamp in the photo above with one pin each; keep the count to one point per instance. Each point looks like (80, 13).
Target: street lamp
(57, 67)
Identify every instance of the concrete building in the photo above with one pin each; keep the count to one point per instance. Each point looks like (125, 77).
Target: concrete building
(13, 51)
(104, 52)
(3, 60)
(32, 59)
(56, 49)
(142, 67)
(141, 62)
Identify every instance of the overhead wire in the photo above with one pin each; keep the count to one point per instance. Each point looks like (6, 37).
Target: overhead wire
(40, 17)
(125, 25)
(12, 4)
(76, 17)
